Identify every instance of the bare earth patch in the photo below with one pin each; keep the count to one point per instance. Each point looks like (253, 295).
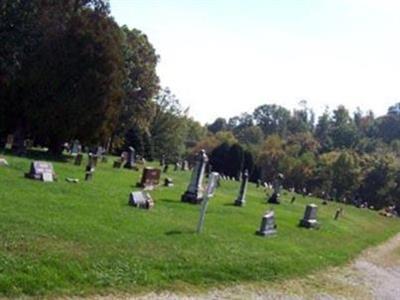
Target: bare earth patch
(375, 274)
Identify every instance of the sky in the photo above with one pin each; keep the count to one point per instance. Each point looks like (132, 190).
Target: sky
(222, 58)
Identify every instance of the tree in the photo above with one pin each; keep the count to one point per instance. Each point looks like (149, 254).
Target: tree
(218, 125)
(69, 85)
(168, 126)
(272, 119)
(141, 82)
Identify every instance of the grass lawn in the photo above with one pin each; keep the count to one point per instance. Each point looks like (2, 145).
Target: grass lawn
(77, 239)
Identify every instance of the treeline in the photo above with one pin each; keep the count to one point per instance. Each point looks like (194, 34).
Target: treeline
(352, 158)
(68, 71)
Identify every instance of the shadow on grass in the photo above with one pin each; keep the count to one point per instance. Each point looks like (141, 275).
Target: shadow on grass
(39, 155)
(170, 201)
(177, 232)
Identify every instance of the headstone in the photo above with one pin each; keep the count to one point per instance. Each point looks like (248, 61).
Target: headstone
(72, 180)
(168, 182)
(162, 160)
(90, 168)
(75, 147)
(241, 199)
(267, 226)
(176, 166)
(95, 159)
(194, 192)
(78, 159)
(212, 184)
(141, 199)
(338, 213)
(130, 160)
(41, 170)
(3, 162)
(150, 178)
(165, 170)
(9, 142)
(185, 165)
(117, 164)
(277, 186)
(310, 217)
(258, 183)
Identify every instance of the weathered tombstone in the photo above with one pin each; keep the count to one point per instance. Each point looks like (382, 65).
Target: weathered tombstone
(117, 164)
(78, 159)
(176, 166)
(168, 182)
(185, 165)
(212, 184)
(241, 199)
(41, 170)
(310, 217)
(165, 170)
(130, 159)
(90, 168)
(150, 178)
(75, 147)
(3, 162)
(267, 226)
(95, 159)
(141, 199)
(277, 186)
(162, 160)
(9, 142)
(258, 183)
(338, 213)
(194, 192)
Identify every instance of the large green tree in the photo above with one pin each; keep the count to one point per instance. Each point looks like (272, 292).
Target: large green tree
(69, 84)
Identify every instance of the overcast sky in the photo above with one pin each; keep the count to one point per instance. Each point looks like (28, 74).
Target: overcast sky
(226, 57)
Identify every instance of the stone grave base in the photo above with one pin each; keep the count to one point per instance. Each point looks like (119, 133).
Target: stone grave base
(267, 232)
(191, 198)
(239, 202)
(309, 224)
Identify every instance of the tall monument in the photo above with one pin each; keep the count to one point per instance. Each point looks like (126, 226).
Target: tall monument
(194, 192)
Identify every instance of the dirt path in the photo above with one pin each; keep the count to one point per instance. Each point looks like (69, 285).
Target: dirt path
(374, 275)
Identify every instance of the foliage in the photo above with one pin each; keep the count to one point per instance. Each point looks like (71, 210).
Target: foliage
(64, 240)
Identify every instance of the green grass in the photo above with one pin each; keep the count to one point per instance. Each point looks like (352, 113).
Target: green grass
(79, 239)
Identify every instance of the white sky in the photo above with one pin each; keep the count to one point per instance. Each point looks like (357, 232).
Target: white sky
(226, 57)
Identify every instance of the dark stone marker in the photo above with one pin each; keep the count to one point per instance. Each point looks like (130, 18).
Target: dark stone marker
(150, 178)
(162, 160)
(241, 199)
(41, 170)
(293, 199)
(90, 167)
(78, 159)
(168, 182)
(194, 192)
(274, 199)
(9, 142)
(185, 165)
(338, 213)
(130, 160)
(258, 183)
(268, 226)
(165, 170)
(310, 217)
(141, 200)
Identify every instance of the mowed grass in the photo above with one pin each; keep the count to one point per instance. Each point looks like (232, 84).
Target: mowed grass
(78, 239)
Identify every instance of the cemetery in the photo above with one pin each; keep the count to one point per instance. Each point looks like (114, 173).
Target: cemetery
(209, 153)
(80, 239)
